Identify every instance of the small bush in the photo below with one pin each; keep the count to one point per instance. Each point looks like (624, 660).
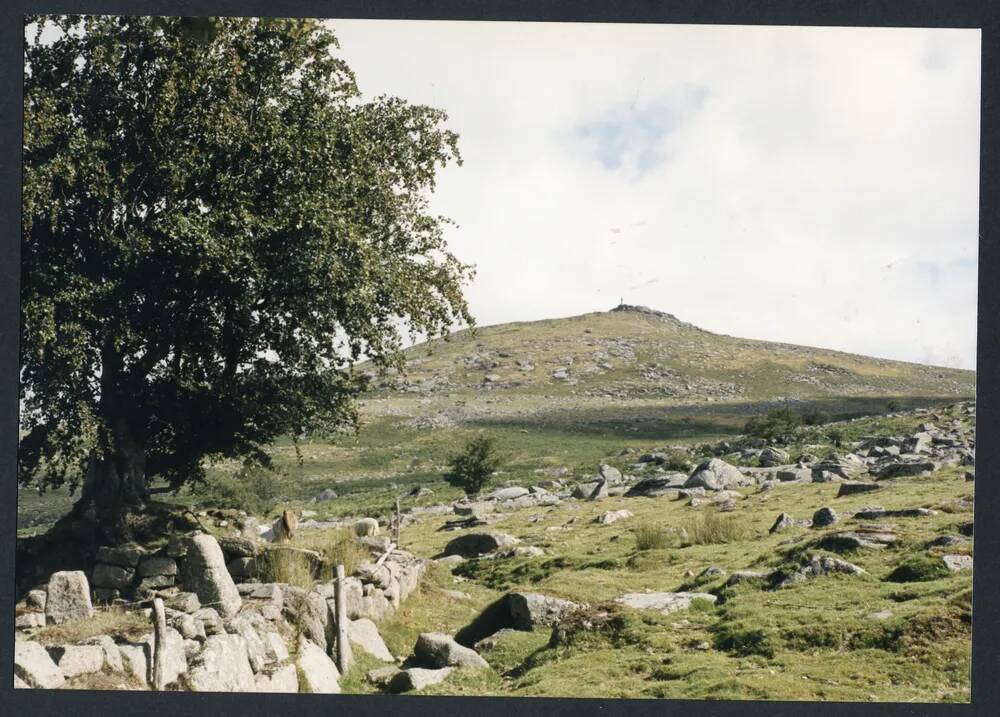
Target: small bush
(778, 424)
(836, 436)
(251, 489)
(892, 405)
(471, 469)
(919, 568)
(650, 536)
(286, 566)
(677, 461)
(743, 641)
(815, 417)
(338, 547)
(712, 528)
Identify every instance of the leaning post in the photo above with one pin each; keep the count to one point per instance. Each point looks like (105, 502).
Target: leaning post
(344, 655)
(399, 519)
(159, 645)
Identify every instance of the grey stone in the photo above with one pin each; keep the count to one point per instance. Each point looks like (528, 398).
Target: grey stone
(417, 678)
(824, 516)
(654, 486)
(613, 516)
(282, 679)
(68, 597)
(35, 599)
(436, 649)
(205, 574)
(474, 544)
(956, 563)
(33, 665)
(112, 655)
(782, 522)
(531, 610)
(716, 474)
(126, 557)
(223, 665)
(157, 565)
(184, 602)
(364, 634)
(855, 487)
(76, 660)
(317, 672)
(107, 575)
(663, 602)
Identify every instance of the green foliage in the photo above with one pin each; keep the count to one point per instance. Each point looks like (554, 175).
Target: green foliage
(281, 565)
(215, 224)
(253, 489)
(777, 424)
(651, 536)
(919, 568)
(472, 468)
(712, 528)
(743, 640)
(892, 405)
(835, 435)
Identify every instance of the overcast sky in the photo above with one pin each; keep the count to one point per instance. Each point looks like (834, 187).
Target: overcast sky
(817, 186)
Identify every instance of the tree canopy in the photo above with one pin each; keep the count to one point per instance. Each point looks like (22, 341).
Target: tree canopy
(216, 226)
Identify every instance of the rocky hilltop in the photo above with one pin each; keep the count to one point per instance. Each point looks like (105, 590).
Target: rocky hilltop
(631, 354)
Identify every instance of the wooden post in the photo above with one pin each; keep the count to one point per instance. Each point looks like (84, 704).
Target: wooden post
(344, 654)
(399, 519)
(159, 646)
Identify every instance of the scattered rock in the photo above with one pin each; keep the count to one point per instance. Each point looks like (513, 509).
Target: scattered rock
(364, 634)
(612, 516)
(663, 602)
(417, 678)
(956, 563)
(472, 545)
(317, 672)
(68, 597)
(223, 665)
(855, 487)
(33, 665)
(205, 574)
(716, 474)
(824, 516)
(437, 650)
(531, 610)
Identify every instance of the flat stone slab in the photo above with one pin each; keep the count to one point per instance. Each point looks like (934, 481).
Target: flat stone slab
(34, 666)
(663, 602)
(957, 563)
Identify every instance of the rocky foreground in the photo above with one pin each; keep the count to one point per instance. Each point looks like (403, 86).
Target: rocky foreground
(229, 631)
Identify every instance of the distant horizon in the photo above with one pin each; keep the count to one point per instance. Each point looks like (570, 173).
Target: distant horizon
(818, 185)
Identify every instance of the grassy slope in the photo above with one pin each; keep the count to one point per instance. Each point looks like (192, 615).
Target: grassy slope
(814, 640)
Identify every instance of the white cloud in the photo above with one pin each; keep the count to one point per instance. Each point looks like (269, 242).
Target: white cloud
(809, 185)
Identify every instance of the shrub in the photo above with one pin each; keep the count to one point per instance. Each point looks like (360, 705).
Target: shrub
(815, 417)
(892, 405)
(251, 489)
(471, 469)
(286, 566)
(919, 568)
(836, 436)
(744, 641)
(712, 528)
(338, 547)
(650, 536)
(778, 424)
(677, 461)
(111, 620)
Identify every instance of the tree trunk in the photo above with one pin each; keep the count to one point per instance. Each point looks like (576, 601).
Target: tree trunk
(115, 483)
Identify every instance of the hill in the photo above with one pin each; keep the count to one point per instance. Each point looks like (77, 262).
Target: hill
(634, 355)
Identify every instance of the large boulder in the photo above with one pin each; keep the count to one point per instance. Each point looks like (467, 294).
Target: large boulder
(205, 574)
(317, 672)
(531, 610)
(667, 484)
(593, 490)
(663, 602)
(716, 474)
(824, 516)
(68, 597)
(111, 576)
(282, 679)
(417, 678)
(613, 516)
(223, 665)
(472, 545)
(511, 493)
(310, 611)
(76, 660)
(436, 649)
(35, 667)
(364, 634)
(770, 457)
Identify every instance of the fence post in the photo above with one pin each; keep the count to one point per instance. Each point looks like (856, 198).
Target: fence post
(344, 654)
(159, 646)
(399, 520)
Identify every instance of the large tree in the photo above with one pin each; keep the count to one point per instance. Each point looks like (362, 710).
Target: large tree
(216, 227)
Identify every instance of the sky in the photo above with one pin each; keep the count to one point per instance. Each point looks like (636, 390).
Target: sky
(816, 186)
